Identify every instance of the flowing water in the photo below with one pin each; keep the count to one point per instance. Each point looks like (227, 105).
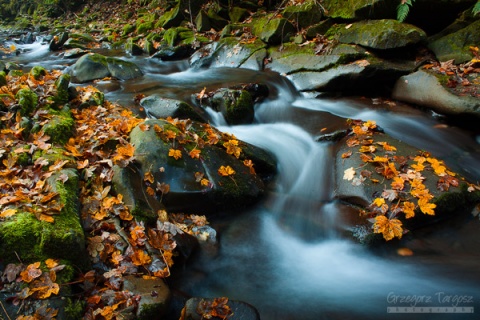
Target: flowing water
(288, 256)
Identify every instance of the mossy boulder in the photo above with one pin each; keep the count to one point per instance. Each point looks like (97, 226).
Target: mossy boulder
(95, 66)
(60, 126)
(184, 174)
(80, 41)
(273, 30)
(360, 9)
(374, 179)
(127, 29)
(27, 99)
(235, 105)
(62, 93)
(24, 236)
(132, 48)
(305, 14)
(378, 34)
(38, 72)
(457, 45)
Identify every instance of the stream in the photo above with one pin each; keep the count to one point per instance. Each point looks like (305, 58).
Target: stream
(288, 256)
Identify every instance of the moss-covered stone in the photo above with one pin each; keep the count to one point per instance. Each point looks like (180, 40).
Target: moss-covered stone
(238, 14)
(32, 240)
(128, 28)
(272, 30)
(305, 14)
(60, 126)
(235, 105)
(133, 48)
(27, 99)
(144, 27)
(3, 79)
(61, 84)
(38, 72)
(54, 154)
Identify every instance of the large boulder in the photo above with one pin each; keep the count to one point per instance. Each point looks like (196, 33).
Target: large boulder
(228, 52)
(95, 66)
(425, 89)
(158, 107)
(192, 167)
(378, 34)
(235, 105)
(305, 14)
(273, 30)
(457, 45)
(387, 177)
(361, 9)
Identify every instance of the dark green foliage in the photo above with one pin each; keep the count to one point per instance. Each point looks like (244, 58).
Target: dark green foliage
(476, 8)
(403, 9)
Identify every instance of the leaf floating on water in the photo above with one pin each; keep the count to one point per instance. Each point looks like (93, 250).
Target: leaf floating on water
(404, 252)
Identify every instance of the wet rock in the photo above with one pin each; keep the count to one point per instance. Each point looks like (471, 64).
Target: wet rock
(366, 75)
(159, 107)
(95, 66)
(182, 175)
(132, 48)
(80, 41)
(228, 52)
(425, 89)
(239, 310)
(154, 296)
(367, 184)
(235, 105)
(202, 22)
(457, 45)
(57, 42)
(378, 34)
(173, 53)
(74, 53)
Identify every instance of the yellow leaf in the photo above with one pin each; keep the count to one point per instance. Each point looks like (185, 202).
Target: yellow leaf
(148, 177)
(232, 148)
(426, 207)
(226, 171)
(204, 182)
(409, 209)
(175, 153)
(398, 183)
(380, 159)
(368, 149)
(8, 213)
(379, 202)
(389, 228)
(51, 263)
(404, 252)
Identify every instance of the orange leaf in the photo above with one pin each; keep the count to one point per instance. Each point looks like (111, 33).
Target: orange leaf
(51, 263)
(140, 258)
(232, 148)
(31, 272)
(226, 171)
(175, 153)
(390, 228)
(409, 209)
(148, 176)
(8, 213)
(195, 154)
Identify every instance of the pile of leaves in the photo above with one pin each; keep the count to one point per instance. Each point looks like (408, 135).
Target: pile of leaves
(405, 193)
(99, 141)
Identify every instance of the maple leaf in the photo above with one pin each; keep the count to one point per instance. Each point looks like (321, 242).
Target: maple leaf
(409, 209)
(140, 258)
(390, 194)
(195, 153)
(426, 207)
(398, 183)
(226, 171)
(232, 148)
(175, 153)
(389, 228)
(348, 174)
(370, 149)
(379, 202)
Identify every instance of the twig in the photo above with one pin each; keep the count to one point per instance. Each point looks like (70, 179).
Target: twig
(4, 310)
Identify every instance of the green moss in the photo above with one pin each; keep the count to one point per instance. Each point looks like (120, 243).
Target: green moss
(145, 27)
(3, 79)
(60, 126)
(61, 84)
(151, 311)
(27, 99)
(241, 109)
(74, 309)
(170, 36)
(52, 155)
(128, 28)
(146, 215)
(38, 72)
(24, 159)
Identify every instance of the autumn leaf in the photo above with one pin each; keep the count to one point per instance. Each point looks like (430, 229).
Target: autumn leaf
(8, 213)
(426, 207)
(379, 202)
(51, 263)
(148, 177)
(31, 272)
(140, 258)
(398, 183)
(409, 209)
(389, 228)
(226, 171)
(175, 153)
(195, 153)
(232, 148)
(346, 154)
(348, 174)
(204, 182)
(249, 164)
(370, 149)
